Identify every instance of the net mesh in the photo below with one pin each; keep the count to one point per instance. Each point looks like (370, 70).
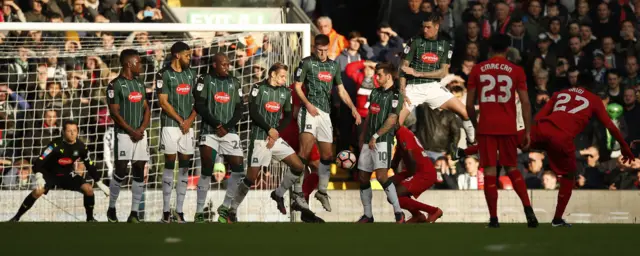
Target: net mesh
(47, 77)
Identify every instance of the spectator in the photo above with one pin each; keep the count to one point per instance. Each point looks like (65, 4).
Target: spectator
(127, 11)
(55, 71)
(572, 77)
(598, 71)
(18, 70)
(426, 6)
(12, 105)
(469, 180)
(549, 180)
(533, 19)
(544, 51)
(358, 49)
(472, 34)
(588, 40)
(53, 98)
(581, 14)
(41, 134)
(388, 41)
(38, 13)
(573, 29)
(241, 65)
(258, 74)
(623, 176)
(629, 44)
(449, 20)
(611, 58)
(337, 42)
(605, 25)
(12, 13)
(407, 22)
(631, 78)
(445, 173)
(532, 174)
(631, 114)
(519, 38)
(19, 177)
(502, 16)
(436, 129)
(465, 68)
(149, 13)
(577, 57)
(616, 95)
(593, 177)
(80, 13)
(558, 45)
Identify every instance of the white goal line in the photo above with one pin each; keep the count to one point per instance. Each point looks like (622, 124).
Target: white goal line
(305, 29)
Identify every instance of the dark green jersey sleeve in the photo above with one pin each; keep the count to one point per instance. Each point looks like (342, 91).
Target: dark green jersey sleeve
(396, 103)
(288, 105)
(239, 107)
(160, 82)
(301, 71)
(337, 79)
(410, 50)
(113, 94)
(448, 51)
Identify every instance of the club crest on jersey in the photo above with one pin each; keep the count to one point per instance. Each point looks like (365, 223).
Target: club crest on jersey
(183, 89)
(75, 153)
(111, 94)
(222, 97)
(135, 97)
(407, 49)
(65, 161)
(440, 48)
(429, 58)
(299, 72)
(394, 103)
(240, 92)
(374, 108)
(272, 106)
(159, 83)
(254, 92)
(282, 96)
(200, 86)
(325, 76)
(450, 54)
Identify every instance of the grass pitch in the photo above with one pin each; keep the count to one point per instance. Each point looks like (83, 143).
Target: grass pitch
(327, 239)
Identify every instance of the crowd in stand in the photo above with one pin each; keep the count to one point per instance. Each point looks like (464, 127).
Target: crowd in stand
(51, 76)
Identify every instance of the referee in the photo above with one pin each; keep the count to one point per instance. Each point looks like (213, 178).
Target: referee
(55, 168)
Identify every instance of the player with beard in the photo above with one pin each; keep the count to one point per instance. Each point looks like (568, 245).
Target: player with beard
(218, 100)
(173, 85)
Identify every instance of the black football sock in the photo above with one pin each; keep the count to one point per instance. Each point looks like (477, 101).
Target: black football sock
(26, 205)
(89, 201)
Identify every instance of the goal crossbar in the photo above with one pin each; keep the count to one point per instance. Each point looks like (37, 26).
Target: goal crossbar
(304, 29)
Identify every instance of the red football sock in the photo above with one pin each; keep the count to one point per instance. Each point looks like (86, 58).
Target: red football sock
(309, 184)
(471, 150)
(520, 187)
(405, 203)
(491, 195)
(564, 194)
(416, 205)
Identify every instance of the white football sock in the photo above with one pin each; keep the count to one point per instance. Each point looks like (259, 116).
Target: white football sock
(232, 186)
(114, 192)
(204, 184)
(324, 174)
(469, 130)
(137, 188)
(181, 188)
(167, 187)
(365, 197)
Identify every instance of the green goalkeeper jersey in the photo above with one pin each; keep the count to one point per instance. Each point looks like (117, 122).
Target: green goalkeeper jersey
(130, 95)
(178, 86)
(318, 78)
(382, 104)
(426, 55)
(271, 102)
(220, 94)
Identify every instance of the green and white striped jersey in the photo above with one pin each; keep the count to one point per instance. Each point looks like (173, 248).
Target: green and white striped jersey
(221, 95)
(426, 55)
(271, 102)
(318, 79)
(178, 86)
(130, 95)
(382, 104)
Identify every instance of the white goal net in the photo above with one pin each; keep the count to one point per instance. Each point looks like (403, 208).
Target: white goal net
(48, 75)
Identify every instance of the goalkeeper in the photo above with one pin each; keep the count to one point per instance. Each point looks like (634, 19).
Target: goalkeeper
(218, 100)
(55, 168)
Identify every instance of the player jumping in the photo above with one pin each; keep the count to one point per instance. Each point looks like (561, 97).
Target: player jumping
(419, 176)
(426, 61)
(557, 124)
(498, 80)
(173, 85)
(269, 101)
(218, 100)
(130, 112)
(319, 75)
(55, 168)
(380, 125)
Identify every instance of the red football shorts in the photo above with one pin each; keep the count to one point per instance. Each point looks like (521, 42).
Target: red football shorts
(314, 155)
(558, 145)
(490, 145)
(420, 182)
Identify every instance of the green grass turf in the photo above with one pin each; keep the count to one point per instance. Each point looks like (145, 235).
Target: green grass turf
(314, 239)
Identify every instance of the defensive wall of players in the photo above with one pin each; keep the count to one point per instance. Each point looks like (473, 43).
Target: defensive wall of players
(458, 206)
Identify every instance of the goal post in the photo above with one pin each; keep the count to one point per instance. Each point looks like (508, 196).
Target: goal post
(57, 71)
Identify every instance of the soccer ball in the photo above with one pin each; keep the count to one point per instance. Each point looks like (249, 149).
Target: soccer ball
(346, 159)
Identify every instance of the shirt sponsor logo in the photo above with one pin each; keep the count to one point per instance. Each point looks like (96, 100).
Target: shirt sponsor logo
(272, 106)
(135, 97)
(183, 89)
(222, 97)
(65, 161)
(374, 108)
(325, 76)
(430, 58)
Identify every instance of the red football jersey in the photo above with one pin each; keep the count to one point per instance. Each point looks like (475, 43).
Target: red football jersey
(291, 133)
(496, 81)
(406, 140)
(571, 109)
